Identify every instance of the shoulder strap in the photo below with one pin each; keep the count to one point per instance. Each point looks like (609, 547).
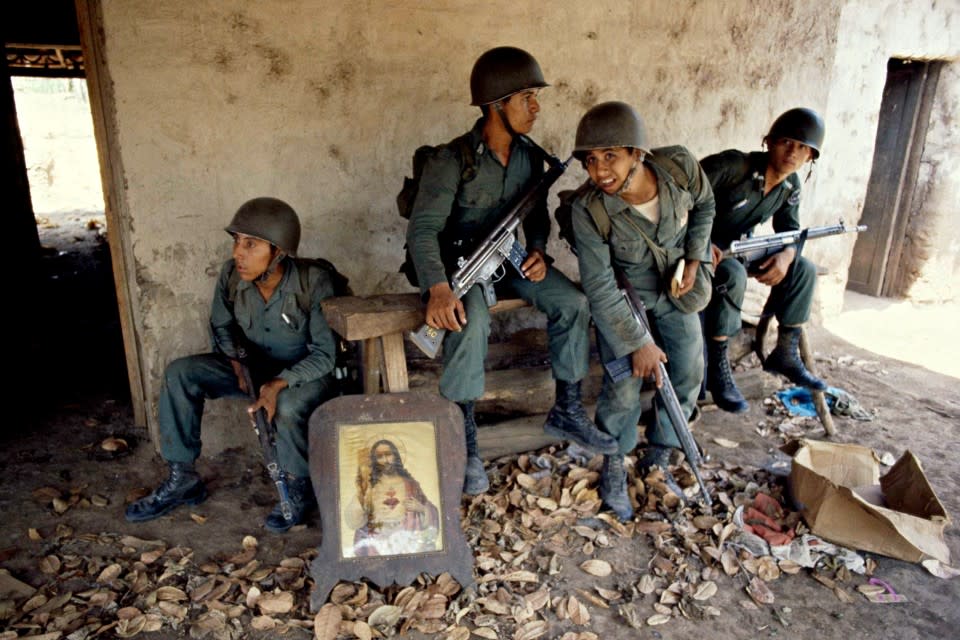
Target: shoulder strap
(232, 282)
(601, 219)
(466, 155)
(660, 158)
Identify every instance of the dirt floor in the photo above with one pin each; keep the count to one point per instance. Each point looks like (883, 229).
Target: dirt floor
(74, 461)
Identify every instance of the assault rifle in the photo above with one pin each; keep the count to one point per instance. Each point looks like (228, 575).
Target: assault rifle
(623, 368)
(267, 434)
(500, 245)
(753, 251)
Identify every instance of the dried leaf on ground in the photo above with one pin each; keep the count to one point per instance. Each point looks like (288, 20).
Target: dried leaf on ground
(531, 630)
(759, 591)
(727, 444)
(273, 603)
(595, 567)
(658, 618)
(326, 624)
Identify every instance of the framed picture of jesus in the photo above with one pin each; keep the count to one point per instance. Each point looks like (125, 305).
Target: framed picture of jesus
(387, 470)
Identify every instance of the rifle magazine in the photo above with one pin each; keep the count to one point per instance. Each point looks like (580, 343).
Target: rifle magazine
(428, 339)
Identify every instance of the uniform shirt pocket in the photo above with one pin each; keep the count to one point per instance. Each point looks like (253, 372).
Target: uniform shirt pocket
(628, 251)
(294, 319)
(477, 196)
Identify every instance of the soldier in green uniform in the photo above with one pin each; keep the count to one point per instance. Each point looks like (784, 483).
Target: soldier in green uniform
(750, 188)
(257, 300)
(654, 203)
(451, 216)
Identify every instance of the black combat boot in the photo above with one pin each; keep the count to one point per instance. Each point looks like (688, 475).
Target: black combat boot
(302, 502)
(658, 457)
(720, 380)
(613, 487)
(785, 360)
(182, 486)
(568, 420)
(475, 479)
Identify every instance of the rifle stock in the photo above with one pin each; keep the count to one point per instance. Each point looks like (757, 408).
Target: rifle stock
(623, 367)
(266, 434)
(500, 245)
(753, 251)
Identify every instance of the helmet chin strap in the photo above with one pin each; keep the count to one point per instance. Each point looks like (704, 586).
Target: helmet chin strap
(633, 170)
(271, 268)
(498, 105)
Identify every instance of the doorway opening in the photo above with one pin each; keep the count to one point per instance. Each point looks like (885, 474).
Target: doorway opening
(74, 342)
(880, 267)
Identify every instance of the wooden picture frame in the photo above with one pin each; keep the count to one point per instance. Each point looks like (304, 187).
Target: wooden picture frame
(387, 470)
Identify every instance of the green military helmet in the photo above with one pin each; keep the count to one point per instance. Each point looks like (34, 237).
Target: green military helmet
(800, 124)
(608, 125)
(502, 72)
(269, 219)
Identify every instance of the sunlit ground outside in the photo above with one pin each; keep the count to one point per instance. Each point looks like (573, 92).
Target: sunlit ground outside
(921, 334)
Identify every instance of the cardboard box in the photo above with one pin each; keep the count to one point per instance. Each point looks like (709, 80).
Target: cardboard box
(839, 491)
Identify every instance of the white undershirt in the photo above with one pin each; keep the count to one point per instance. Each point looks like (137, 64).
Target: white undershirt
(650, 209)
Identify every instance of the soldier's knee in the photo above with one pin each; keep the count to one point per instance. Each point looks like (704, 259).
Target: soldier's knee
(178, 370)
(804, 270)
(731, 273)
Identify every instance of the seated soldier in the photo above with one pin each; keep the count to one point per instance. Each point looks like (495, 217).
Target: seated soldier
(641, 212)
(452, 216)
(258, 305)
(750, 188)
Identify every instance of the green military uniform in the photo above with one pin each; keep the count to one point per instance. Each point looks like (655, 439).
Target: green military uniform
(295, 345)
(686, 215)
(450, 218)
(737, 181)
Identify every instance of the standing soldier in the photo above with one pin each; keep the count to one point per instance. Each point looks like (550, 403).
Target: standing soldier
(258, 303)
(750, 188)
(452, 214)
(638, 215)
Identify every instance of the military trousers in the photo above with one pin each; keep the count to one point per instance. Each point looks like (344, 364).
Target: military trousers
(618, 407)
(568, 322)
(189, 381)
(789, 301)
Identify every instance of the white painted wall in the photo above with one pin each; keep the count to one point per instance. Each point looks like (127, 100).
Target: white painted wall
(322, 102)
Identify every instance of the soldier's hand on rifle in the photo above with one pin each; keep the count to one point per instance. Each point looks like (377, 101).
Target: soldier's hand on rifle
(238, 371)
(646, 362)
(268, 398)
(689, 276)
(716, 255)
(535, 267)
(445, 310)
(774, 269)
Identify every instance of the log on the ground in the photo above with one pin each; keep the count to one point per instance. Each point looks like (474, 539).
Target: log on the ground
(522, 391)
(518, 435)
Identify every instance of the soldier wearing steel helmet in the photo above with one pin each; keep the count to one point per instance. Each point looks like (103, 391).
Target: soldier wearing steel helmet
(653, 203)
(451, 215)
(751, 188)
(256, 299)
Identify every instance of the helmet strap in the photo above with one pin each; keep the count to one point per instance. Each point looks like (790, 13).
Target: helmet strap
(272, 267)
(633, 170)
(498, 105)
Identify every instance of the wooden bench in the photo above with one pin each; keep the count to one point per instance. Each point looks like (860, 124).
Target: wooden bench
(379, 323)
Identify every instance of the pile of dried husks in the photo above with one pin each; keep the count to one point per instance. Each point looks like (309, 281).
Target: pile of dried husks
(547, 562)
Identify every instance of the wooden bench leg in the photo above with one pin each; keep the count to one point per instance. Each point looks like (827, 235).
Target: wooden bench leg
(371, 363)
(394, 364)
(385, 365)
